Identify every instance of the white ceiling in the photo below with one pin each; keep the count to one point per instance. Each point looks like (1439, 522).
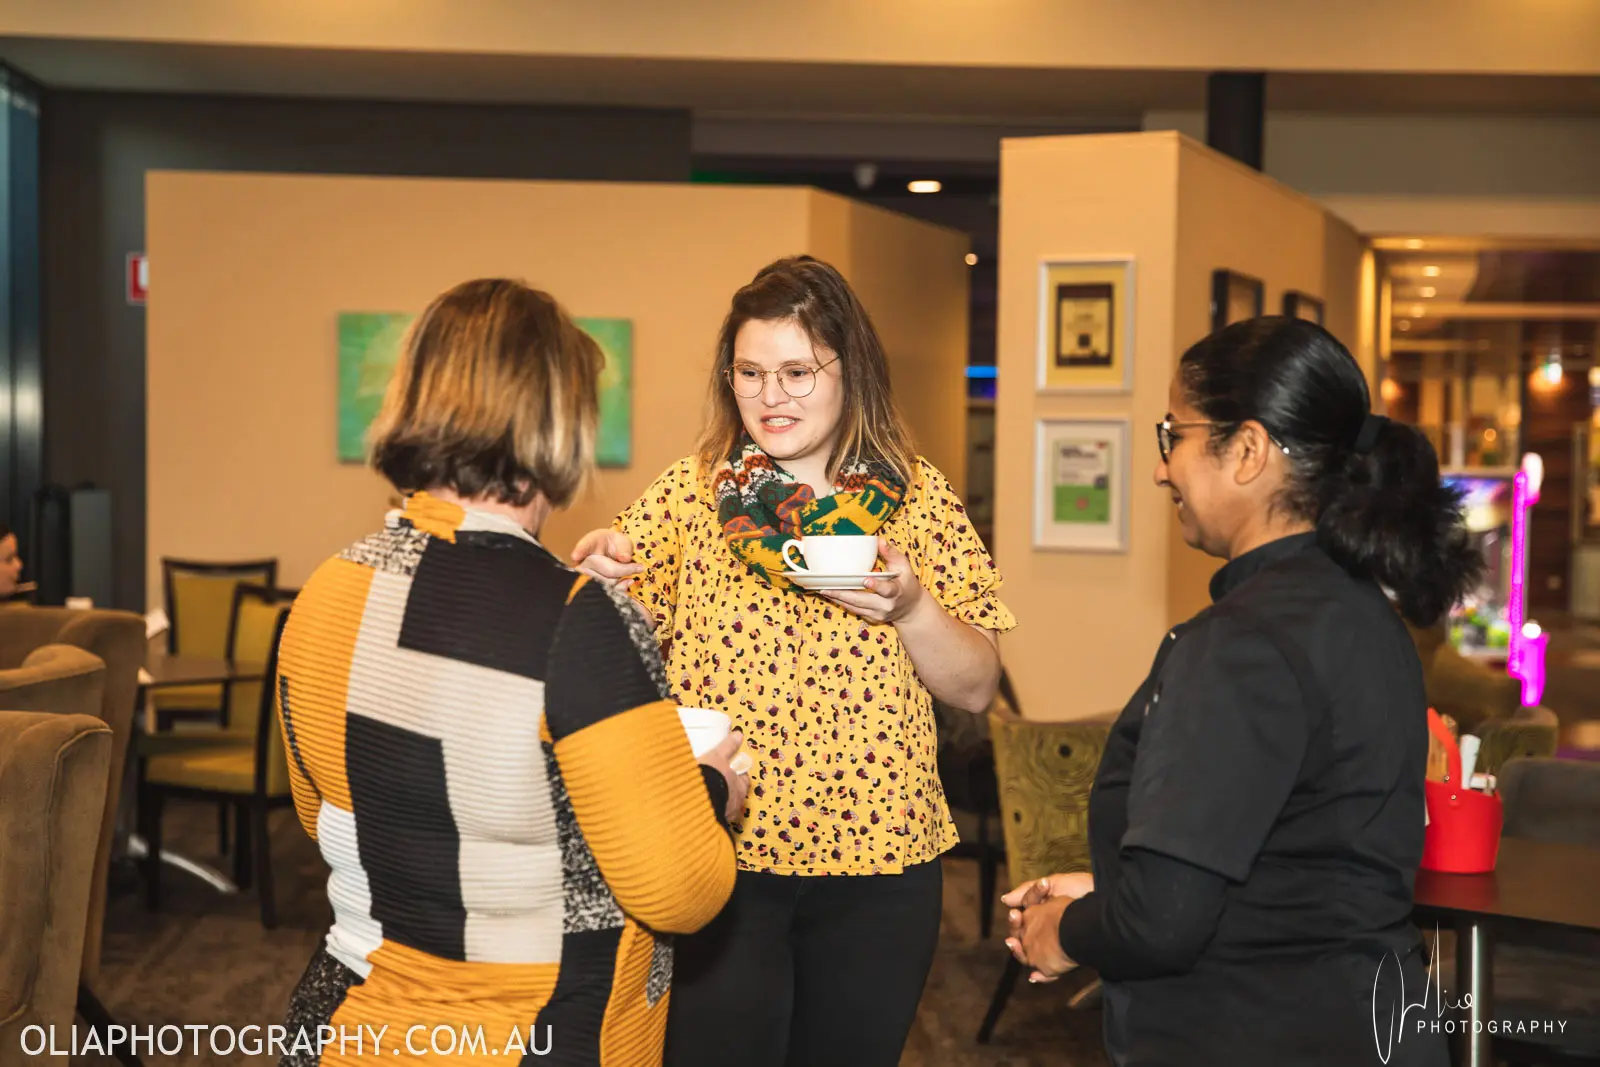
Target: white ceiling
(737, 88)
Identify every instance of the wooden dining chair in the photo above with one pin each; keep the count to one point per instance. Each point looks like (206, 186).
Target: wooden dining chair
(241, 764)
(199, 600)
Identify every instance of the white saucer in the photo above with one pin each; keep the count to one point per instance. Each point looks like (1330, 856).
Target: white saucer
(817, 582)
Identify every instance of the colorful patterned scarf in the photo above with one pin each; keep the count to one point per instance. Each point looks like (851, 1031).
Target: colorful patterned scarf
(761, 505)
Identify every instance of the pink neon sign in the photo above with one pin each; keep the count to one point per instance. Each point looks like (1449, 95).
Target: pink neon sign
(1526, 655)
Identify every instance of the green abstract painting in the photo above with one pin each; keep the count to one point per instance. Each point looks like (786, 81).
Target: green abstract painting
(369, 346)
(614, 448)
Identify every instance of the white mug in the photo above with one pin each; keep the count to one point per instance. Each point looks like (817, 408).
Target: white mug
(706, 728)
(834, 553)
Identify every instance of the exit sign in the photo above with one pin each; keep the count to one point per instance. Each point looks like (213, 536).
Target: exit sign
(138, 277)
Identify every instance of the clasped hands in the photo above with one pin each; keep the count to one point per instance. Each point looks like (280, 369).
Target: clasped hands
(1035, 922)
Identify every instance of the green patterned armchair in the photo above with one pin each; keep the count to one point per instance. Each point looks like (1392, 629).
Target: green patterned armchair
(1045, 771)
(1531, 733)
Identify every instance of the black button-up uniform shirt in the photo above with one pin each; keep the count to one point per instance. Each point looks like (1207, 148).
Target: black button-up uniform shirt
(1255, 829)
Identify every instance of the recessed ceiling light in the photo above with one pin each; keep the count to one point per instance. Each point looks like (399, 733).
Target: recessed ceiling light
(924, 185)
(1430, 272)
(1418, 311)
(1403, 325)
(1413, 243)
(1427, 291)
(972, 259)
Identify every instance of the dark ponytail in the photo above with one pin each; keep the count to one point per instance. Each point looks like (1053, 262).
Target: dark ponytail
(1371, 486)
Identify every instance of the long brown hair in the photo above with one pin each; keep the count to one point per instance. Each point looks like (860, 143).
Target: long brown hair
(815, 296)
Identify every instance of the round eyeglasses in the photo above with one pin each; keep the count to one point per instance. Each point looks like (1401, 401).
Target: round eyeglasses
(1167, 435)
(796, 379)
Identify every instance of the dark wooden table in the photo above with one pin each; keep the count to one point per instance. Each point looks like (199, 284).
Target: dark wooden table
(1537, 892)
(162, 671)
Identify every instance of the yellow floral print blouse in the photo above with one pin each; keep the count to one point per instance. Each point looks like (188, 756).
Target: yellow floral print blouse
(840, 726)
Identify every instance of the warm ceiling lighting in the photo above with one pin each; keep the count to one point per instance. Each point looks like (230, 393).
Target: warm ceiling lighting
(1403, 325)
(1427, 291)
(924, 185)
(1390, 390)
(972, 259)
(1418, 311)
(1430, 272)
(1413, 243)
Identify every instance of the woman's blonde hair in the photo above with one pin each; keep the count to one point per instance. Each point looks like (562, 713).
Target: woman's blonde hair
(815, 296)
(495, 395)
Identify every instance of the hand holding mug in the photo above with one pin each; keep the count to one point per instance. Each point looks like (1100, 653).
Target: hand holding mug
(721, 757)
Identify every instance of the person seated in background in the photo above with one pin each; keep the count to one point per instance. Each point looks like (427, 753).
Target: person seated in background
(481, 740)
(1256, 822)
(10, 564)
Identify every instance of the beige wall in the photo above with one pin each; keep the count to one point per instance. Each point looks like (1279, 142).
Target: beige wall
(1087, 621)
(255, 268)
(1231, 216)
(914, 278)
(1343, 250)
(1357, 35)
(1092, 622)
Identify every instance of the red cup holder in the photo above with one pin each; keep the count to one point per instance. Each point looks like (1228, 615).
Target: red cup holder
(1463, 834)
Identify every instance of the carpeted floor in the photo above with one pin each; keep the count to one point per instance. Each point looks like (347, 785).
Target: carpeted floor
(204, 958)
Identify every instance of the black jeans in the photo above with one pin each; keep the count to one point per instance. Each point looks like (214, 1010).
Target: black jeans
(806, 970)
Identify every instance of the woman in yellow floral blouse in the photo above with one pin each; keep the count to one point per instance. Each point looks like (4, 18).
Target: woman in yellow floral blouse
(833, 691)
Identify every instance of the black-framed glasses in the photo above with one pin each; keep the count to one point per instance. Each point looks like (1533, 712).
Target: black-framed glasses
(1167, 435)
(796, 379)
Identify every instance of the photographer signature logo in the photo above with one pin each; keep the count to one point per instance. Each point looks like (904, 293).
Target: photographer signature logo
(1432, 989)
(1447, 1017)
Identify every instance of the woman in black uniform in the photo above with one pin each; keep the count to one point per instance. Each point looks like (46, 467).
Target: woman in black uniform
(1257, 819)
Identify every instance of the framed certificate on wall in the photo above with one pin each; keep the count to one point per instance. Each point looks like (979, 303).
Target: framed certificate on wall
(1080, 474)
(1298, 305)
(1086, 325)
(1234, 298)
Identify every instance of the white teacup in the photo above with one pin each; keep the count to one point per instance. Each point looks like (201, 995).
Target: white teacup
(834, 553)
(706, 728)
